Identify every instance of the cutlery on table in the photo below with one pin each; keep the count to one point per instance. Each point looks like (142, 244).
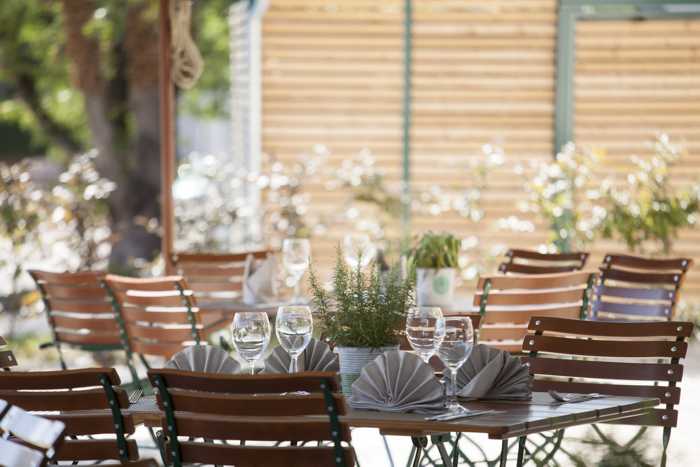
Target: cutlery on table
(572, 398)
(135, 395)
(443, 417)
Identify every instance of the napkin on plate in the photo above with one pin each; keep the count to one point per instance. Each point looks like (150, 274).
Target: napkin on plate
(397, 381)
(260, 280)
(317, 356)
(491, 373)
(204, 358)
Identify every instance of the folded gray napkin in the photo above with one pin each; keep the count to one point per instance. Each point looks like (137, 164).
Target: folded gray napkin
(491, 373)
(317, 356)
(259, 280)
(397, 381)
(204, 358)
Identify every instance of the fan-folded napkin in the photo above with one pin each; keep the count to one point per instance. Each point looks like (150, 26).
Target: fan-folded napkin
(491, 373)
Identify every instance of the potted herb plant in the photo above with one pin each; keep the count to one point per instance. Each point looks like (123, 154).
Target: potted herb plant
(435, 258)
(361, 314)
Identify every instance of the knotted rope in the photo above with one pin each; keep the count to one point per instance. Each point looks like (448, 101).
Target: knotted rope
(187, 63)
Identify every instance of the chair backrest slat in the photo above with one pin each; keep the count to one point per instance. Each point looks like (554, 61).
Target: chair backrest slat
(506, 303)
(159, 316)
(216, 277)
(78, 309)
(637, 288)
(564, 357)
(87, 401)
(252, 408)
(533, 262)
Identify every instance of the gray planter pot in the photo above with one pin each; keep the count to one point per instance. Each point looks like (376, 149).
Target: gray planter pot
(435, 287)
(353, 359)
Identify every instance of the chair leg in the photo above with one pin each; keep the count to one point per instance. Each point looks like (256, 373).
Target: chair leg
(503, 460)
(521, 450)
(666, 438)
(419, 445)
(439, 442)
(455, 450)
(388, 451)
(159, 440)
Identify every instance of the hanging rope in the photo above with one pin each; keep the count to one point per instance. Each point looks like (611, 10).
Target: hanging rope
(187, 64)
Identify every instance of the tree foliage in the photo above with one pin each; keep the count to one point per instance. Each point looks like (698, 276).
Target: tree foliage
(78, 75)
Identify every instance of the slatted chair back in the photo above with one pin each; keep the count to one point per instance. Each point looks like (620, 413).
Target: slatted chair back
(78, 310)
(7, 358)
(88, 401)
(159, 316)
(506, 303)
(640, 359)
(534, 262)
(28, 440)
(262, 408)
(636, 288)
(215, 278)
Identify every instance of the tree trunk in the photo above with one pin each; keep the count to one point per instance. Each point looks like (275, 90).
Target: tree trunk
(123, 118)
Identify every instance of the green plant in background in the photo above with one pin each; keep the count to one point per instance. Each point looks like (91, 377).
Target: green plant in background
(436, 251)
(467, 200)
(648, 212)
(80, 208)
(363, 309)
(562, 193)
(23, 208)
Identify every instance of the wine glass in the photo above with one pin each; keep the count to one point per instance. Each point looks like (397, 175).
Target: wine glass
(358, 250)
(425, 329)
(454, 350)
(295, 258)
(294, 325)
(250, 334)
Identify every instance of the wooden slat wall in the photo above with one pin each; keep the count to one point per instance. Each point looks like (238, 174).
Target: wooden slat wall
(483, 72)
(634, 79)
(332, 75)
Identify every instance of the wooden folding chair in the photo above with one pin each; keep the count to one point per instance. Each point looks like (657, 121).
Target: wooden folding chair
(636, 288)
(7, 358)
(89, 402)
(564, 356)
(79, 311)
(27, 440)
(506, 303)
(214, 277)
(197, 408)
(533, 262)
(158, 317)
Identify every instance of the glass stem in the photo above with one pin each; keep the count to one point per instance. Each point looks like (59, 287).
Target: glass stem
(294, 364)
(252, 367)
(296, 298)
(452, 400)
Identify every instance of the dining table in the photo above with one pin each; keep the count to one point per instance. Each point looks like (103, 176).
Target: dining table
(509, 419)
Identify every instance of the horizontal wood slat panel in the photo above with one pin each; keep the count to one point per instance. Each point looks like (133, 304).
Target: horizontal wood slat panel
(332, 74)
(604, 348)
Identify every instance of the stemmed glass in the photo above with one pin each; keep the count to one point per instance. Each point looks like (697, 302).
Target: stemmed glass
(294, 326)
(250, 334)
(358, 250)
(425, 329)
(295, 258)
(454, 350)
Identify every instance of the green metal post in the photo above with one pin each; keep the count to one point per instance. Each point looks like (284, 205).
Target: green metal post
(407, 113)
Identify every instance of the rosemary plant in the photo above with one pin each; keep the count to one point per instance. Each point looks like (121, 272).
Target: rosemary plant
(364, 308)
